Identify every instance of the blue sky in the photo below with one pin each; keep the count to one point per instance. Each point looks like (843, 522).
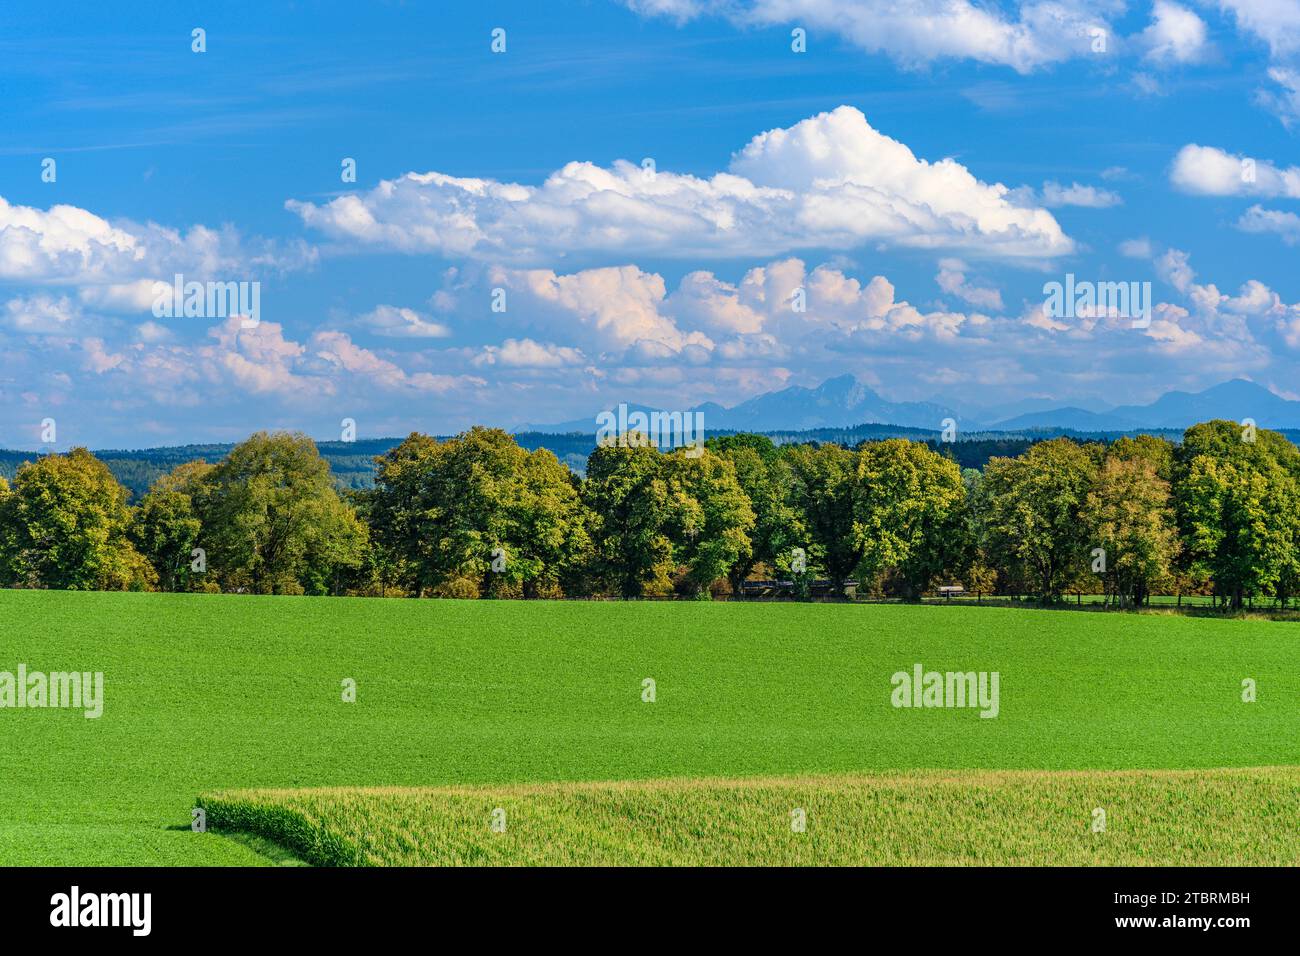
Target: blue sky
(919, 173)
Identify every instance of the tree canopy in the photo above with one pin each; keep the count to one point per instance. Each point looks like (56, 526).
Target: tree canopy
(479, 516)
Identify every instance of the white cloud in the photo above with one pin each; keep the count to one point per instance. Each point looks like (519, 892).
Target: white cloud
(337, 349)
(41, 315)
(704, 301)
(1146, 85)
(611, 308)
(260, 362)
(677, 9)
(1092, 197)
(152, 332)
(1176, 35)
(116, 263)
(1208, 171)
(1286, 101)
(1261, 220)
(1276, 22)
(135, 296)
(914, 32)
(525, 353)
(828, 182)
(625, 334)
(611, 319)
(393, 322)
(63, 241)
(952, 279)
(1175, 268)
(1136, 248)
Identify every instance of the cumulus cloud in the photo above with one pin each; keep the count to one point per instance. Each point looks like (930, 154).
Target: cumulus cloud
(393, 322)
(1245, 328)
(611, 308)
(62, 242)
(626, 317)
(41, 315)
(135, 296)
(1276, 22)
(1260, 220)
(1175, 268)
(1208, 171)
(336, 350)
(525, 353)
(625, 333)
(1176, 35)
(828, 182)
(259, 362)
(117, 263)
(952, 279)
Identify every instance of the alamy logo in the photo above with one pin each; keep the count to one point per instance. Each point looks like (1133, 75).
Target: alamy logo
(103, 909)
(664, 430)
(208, 300)
(77, 690)
(1088, 300)
(923, 688)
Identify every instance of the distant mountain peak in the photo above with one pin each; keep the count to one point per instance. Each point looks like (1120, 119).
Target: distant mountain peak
(843, 401)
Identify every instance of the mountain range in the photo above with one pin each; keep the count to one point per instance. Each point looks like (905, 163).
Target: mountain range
(844, 401)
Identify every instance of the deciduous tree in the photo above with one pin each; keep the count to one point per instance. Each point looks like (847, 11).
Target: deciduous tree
(1034, 514)
(908, 512)
(66, 524)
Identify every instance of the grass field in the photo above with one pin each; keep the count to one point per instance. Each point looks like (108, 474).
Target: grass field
(928, 818)
(216, 693)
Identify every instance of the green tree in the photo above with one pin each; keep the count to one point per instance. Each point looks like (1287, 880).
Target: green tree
(546, 536)
(908, 512)
(272, 521)
(765, 477)
(632, 510)
(712, 517)
(1033, 511)
(167, 525)
(66, 524)
(477, 514)
(383, 572)
(824, 490)
(1155, 451)
(1237, 490)
(402, 515)
(1234, 530)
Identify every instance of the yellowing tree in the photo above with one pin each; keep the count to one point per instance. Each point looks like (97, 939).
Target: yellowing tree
(65, 524)
(1130, 516)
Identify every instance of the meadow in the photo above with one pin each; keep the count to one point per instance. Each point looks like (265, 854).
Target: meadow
(213, 694)
(921, 818)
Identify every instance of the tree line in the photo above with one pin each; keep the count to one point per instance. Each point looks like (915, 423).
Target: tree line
(479, 516)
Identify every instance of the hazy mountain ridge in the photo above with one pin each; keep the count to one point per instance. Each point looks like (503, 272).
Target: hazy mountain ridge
(844, 402)
(840, 410)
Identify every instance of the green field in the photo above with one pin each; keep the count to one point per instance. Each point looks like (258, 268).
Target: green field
(217, 693)
(927, 818)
